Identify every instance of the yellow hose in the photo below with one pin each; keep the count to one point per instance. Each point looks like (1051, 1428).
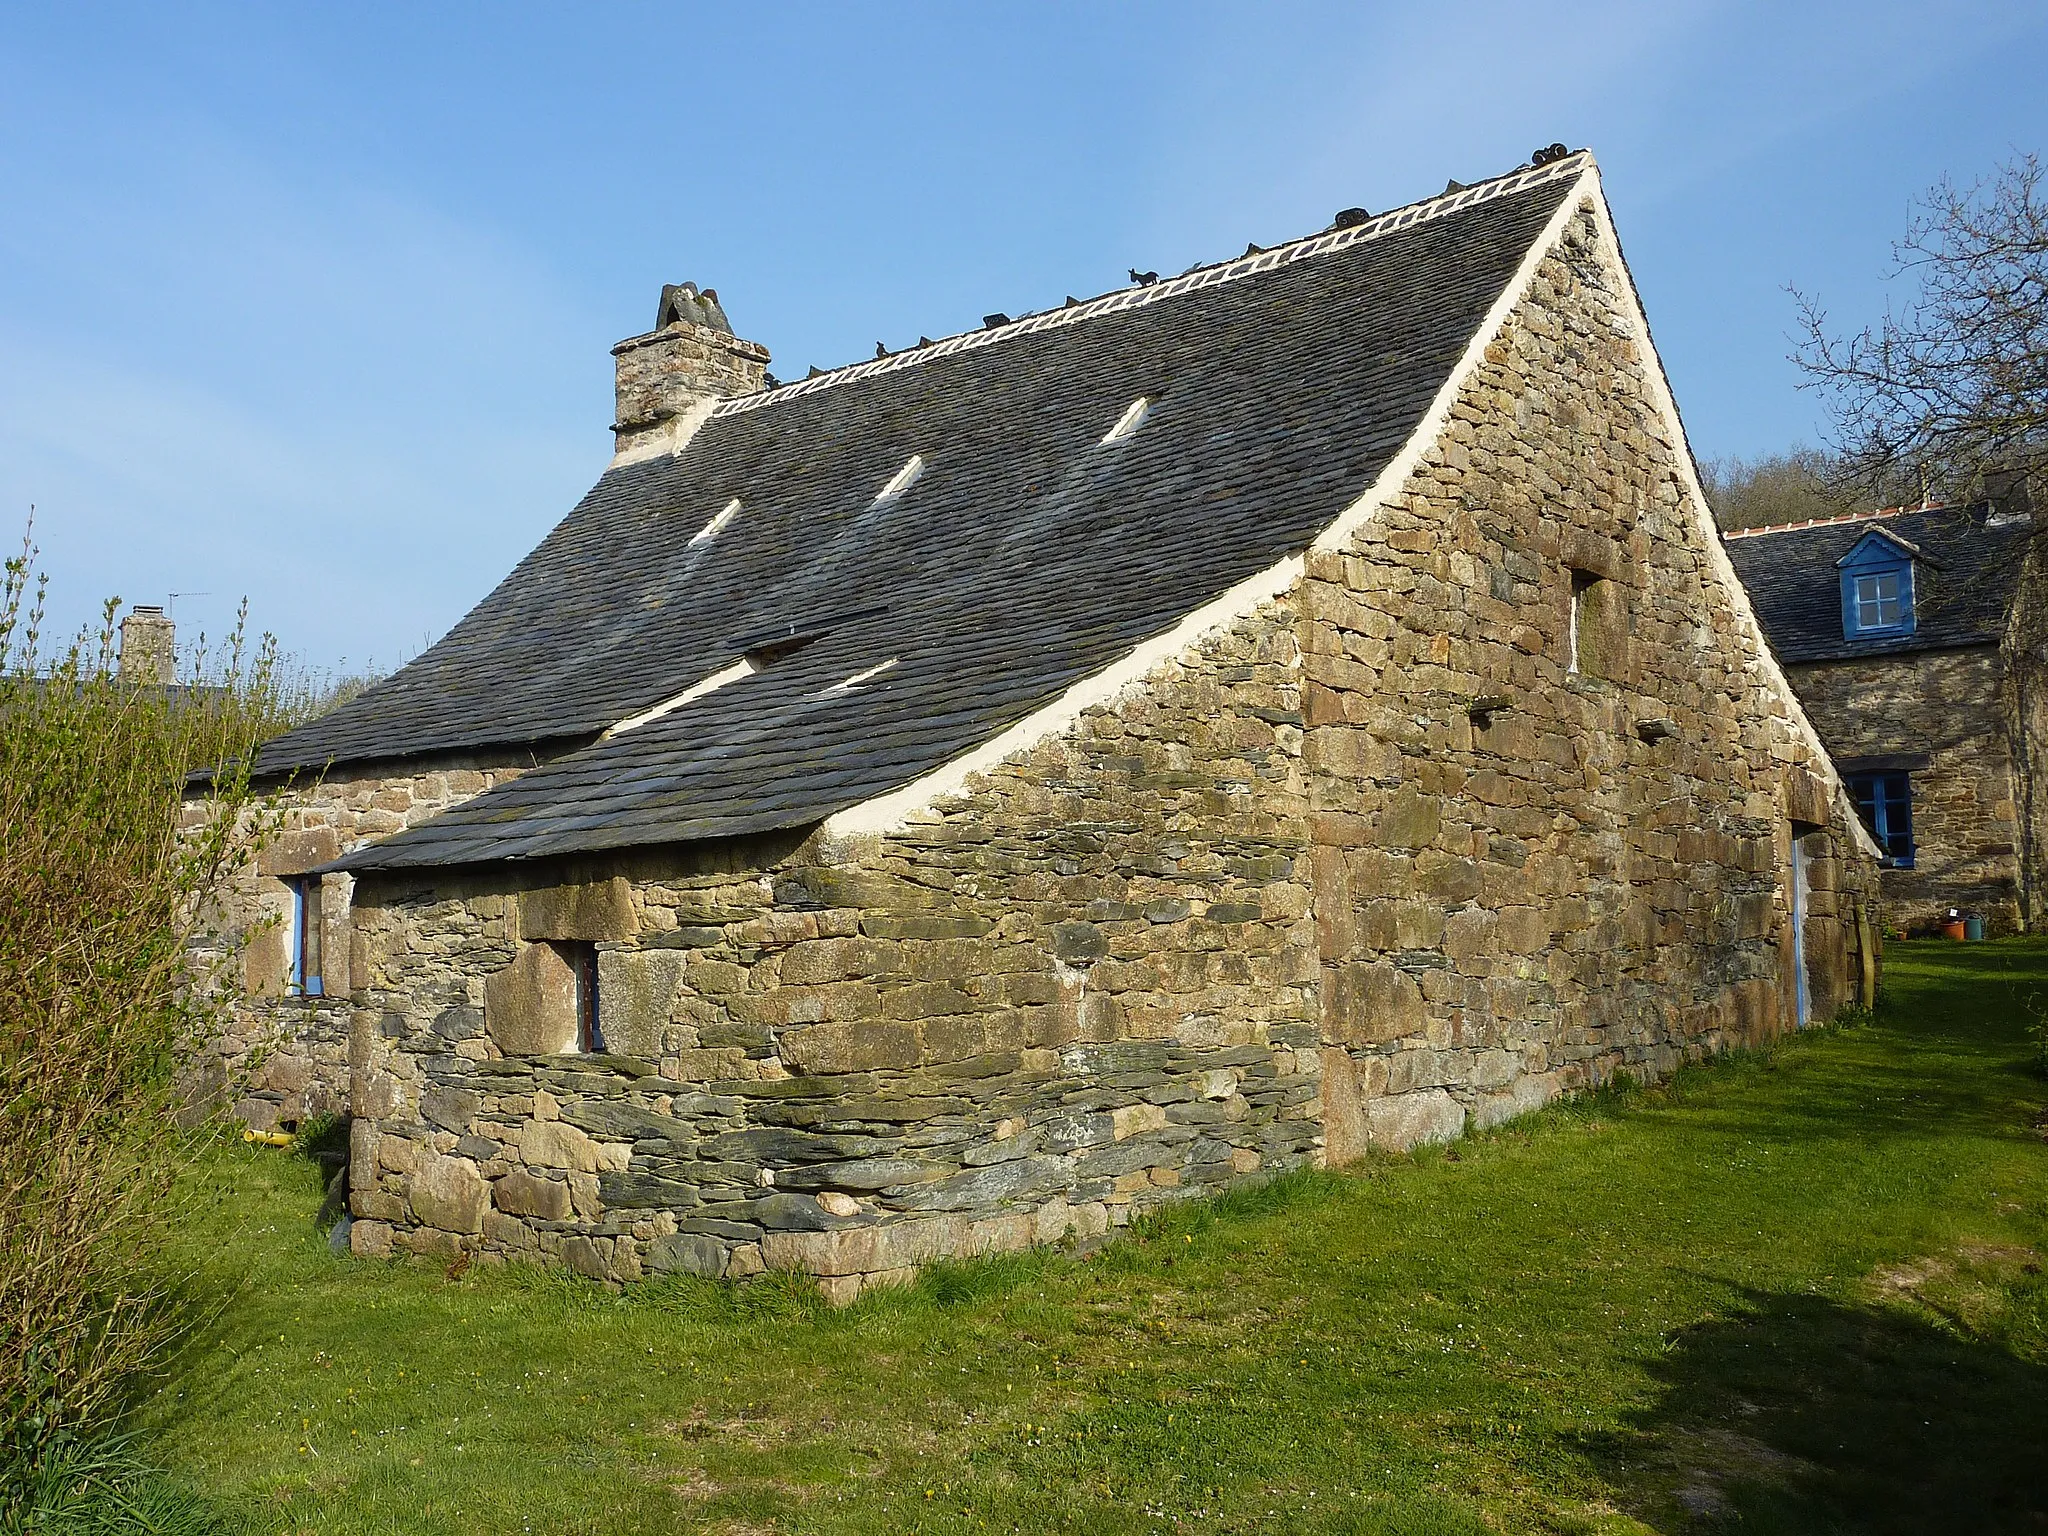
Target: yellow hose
(270, 1138)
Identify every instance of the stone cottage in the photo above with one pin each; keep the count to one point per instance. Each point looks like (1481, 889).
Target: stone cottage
(1914, 639)
(955, 801)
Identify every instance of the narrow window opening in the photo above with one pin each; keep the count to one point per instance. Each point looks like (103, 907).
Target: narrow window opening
(1582, 643)
(1885, 802)
(582, 958)
(710, 530)
(304, 937)
(1128, 423)
(902, 480)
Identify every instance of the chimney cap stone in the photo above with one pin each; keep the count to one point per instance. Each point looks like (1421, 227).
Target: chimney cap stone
(686, 303)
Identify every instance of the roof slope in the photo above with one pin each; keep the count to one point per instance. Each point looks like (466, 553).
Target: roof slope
(1028, 556)
(1962, 591)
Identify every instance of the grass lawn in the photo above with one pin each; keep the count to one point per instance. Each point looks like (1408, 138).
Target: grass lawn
(1801, 1290)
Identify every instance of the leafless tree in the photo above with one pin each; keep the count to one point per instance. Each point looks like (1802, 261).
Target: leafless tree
(1773, 488)
(1948, 395)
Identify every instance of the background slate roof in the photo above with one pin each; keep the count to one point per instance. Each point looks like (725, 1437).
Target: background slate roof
(1027, 556)
(1960, 599)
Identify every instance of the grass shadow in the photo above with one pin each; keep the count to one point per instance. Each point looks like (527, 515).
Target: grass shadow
(1801, 1414)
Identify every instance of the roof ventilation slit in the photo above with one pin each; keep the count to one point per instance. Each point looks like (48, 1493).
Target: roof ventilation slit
(902, 480)
(718, 521)
(860, 680)
(1126, 424)
(746, 666)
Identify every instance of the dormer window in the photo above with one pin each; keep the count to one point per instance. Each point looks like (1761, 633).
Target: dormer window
(1878, 587)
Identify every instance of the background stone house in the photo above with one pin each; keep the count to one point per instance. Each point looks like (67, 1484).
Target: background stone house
(1913, 639)
(954, 801)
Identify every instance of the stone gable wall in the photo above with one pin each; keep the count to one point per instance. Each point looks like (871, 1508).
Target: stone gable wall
(1950, 706)
(1591, 873)
(282, 1059)
(1365, 867)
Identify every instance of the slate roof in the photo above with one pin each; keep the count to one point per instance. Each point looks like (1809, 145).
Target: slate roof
(1027, 556)
(1962, 590)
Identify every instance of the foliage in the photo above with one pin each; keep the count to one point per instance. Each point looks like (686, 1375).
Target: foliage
(1950, 392)
(1796, 1289)
(101, 888)
(1788, 487)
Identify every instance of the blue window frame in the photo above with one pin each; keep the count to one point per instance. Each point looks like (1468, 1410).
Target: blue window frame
(1877, 589)
(304, 938)
(1885, 802)
(1880, 600)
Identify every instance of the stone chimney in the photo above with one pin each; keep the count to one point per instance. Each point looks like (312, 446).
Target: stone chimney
(2009, 490)
(149, 652)
(669, 378)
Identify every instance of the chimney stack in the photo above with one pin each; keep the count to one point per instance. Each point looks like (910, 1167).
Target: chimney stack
(2009, 490)
(669, 378)
(149, 652)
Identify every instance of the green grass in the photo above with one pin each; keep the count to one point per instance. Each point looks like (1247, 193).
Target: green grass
(1798, 1290)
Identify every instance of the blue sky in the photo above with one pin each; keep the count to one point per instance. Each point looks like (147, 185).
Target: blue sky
(312, 304)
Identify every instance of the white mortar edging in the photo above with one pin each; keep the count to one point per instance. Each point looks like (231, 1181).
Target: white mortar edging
(886, 813)
(668, 439)
(744, 667)
(1438, 416)
(1609, 249)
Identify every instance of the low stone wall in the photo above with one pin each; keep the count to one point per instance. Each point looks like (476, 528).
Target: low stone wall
(280, 1066)
(856, 1177)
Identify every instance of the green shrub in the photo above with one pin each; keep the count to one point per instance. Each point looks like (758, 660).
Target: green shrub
(104, 889)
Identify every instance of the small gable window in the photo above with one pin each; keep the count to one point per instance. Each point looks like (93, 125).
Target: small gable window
(1877, 588)
(1885, 802)
(582, 961)
(1594, 637)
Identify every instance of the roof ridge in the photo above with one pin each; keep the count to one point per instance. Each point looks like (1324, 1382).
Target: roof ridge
(1840, 517)
(1300, 249)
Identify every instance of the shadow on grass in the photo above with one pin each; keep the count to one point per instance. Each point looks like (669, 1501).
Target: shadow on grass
(1801, 1414)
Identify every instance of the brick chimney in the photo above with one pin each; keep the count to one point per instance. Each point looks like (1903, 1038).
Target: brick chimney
(669, 378)
(149, 652)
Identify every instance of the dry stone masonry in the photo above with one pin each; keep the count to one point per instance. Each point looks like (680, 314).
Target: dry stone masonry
(1086, 986)
(1950, 709)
